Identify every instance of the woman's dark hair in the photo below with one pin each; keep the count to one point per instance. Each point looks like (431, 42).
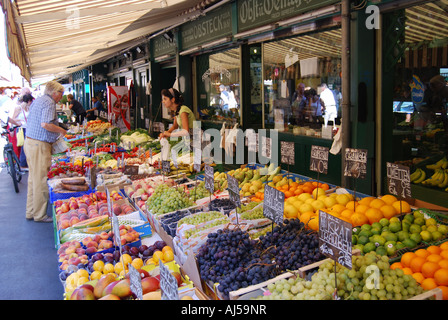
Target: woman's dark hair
(173, 93)
(27, 98)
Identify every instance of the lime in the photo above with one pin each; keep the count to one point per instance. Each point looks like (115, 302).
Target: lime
(366, 227)
(390, 243)
(378, 240)
(354, 239)
(436, 235)
(402, 235)
(381, 251)
(415, 228)
(376, 231)
(431, 222)
(384, 222)
(419, 214)
(431, 228)
(385, 229)
(443, 229)
(369, 247)
(409, 217)
(426, 236)
(359, 247)
(416, 237)
(363, 239)
(391, 237)
(399, 245)
(356, 231)
(419, 221)
(409, 243)
(405, 225)
(395, 227)
(391, 249)
(376, 225)
(394, 219)
(366, 233)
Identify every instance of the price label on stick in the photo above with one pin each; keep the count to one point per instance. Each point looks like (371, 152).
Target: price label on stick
(197, 160)
(136, 282)
(166, 166)
(209, 178)
(399, 180)
(174, 158)
(287, 153)
(234, 190)
(355, 163)
(319, 159)
(335, 239)
(273, 204)
(168, 283)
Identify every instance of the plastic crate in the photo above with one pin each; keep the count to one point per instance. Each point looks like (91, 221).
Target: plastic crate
(54, 196)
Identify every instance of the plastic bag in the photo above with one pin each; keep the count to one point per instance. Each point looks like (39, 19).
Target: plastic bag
(20, 137)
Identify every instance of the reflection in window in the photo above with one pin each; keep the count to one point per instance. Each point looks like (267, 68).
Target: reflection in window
(302, 83)
(220, 84)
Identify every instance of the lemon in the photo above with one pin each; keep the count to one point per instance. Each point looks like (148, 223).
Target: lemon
(82, 280)
(98, 265)
(108, 268)
(431, 222)
(83, 273)
(137, 263)
(96, 275)
(342, 199)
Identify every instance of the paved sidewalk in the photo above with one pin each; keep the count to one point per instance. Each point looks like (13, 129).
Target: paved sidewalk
(29, 266)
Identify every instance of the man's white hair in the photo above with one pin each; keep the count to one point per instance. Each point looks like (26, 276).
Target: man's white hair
(53, 87)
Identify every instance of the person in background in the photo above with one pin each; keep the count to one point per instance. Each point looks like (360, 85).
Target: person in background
(328, 105)
(77, 108)
(298, 103)
(183, 116)
(224, 98)
(21, 115)
(42, 131)
(97, 106)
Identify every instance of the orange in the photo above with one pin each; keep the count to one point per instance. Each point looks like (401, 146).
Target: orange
(352, 205)
(377, 203)
(428, 284)
(347, 213)
(417, 263)
(307, 189)
(407, 258)
(359, 219)
(407, 271)
(361, 208)
(396, 265)
(422, 253)
(443, 264)
(444, 254)
(325, 186)
(374, 215)
(294, 184)
(366, 201)
(288, 194)
(388, 211)
(434, 249)
(313, 224)
(418, 277)
(306, 216)
(444, 246)
(429, 268)
(298, 191)
(441, 277)
(338, 208)
(285, 187)
(444, 292)
(389, 199)
(434, 258)
(405, 207)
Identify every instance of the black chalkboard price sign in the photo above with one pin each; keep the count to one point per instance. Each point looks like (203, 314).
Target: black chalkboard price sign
(335, 239)
(166, 166)
(355, 163)
(168, 283)
(273, 204)
(399, 180)
(319, 159)
(209, 178)
(287, 153)
(234, 190)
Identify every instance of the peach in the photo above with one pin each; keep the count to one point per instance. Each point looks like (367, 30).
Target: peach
(92, 244)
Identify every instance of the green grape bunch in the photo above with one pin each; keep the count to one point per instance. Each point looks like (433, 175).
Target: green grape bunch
(168, 199)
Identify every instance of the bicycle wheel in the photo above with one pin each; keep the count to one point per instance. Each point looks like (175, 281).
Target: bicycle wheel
(19, 172)
(12, 171)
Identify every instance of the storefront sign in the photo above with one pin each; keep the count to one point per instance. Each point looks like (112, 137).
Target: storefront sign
(335, 239)
(417, 90)
(215, 25)
(255, 13)
(399, 180)
(162, 46)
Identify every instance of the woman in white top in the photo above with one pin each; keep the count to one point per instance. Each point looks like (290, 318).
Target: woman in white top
(20, 115)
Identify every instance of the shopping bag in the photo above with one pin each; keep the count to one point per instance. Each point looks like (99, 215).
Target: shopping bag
(20, 137)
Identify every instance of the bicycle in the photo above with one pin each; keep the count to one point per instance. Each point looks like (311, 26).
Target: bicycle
(11, 160)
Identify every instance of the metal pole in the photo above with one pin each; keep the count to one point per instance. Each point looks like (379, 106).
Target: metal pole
(346, 104)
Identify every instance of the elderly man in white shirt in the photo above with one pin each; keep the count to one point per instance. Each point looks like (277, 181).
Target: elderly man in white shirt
(329, 105)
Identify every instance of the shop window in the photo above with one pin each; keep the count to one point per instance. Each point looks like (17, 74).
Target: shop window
(294, 70)
(420, 93)
(219, 86)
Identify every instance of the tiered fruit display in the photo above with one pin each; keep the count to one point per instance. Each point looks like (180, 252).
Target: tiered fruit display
(388, 236)
(167, 199)
(428, 266)
(354, 284)
(232, 259)
(62, 169)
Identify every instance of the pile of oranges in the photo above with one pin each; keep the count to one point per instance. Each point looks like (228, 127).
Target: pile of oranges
(369, 210)
(295, 188)
(429, 267)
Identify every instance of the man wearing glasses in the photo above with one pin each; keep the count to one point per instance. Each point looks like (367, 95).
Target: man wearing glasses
(42, 131)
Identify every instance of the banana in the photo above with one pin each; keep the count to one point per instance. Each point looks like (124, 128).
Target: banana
(445, 163)
(421, 178)
(416, 175)
(444, 183)
(435, 179)
(437, 165)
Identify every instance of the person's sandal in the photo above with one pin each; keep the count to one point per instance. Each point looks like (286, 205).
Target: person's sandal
(45, 220)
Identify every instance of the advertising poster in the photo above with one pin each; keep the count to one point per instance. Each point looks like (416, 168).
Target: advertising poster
(119, 107)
